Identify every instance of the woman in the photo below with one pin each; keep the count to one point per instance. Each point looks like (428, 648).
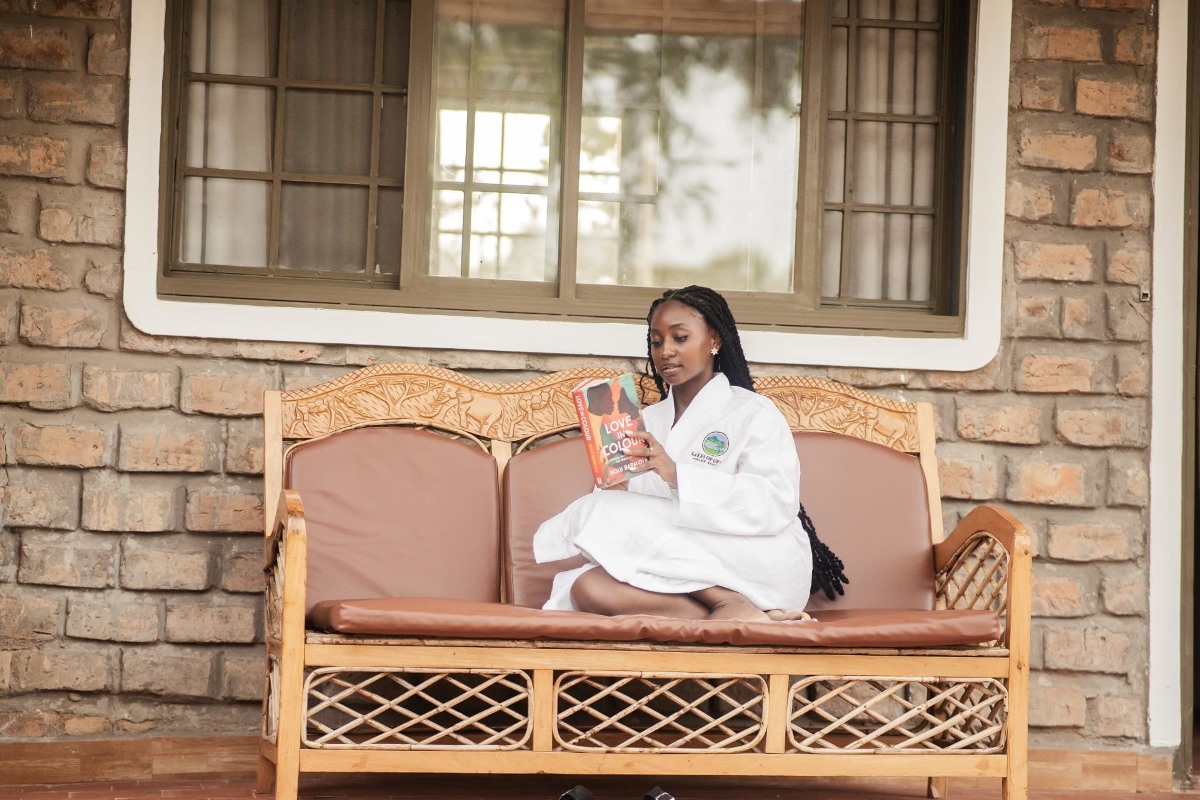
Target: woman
(708, 528)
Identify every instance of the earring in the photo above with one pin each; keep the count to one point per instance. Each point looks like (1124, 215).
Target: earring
(715, 350)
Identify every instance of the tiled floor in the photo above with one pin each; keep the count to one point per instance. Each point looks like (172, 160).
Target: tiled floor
(419, 787)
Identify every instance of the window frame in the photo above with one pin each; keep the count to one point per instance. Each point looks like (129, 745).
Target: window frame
(285, 317)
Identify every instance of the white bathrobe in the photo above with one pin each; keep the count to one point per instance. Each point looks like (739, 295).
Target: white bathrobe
(731, 522)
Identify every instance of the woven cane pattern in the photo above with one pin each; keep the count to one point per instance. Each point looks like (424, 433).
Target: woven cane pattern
(976, 577)
(662, 713)
(415, 709)
(270, 720)
(833, 714)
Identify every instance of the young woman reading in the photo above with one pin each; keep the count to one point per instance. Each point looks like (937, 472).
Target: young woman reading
(711, 527)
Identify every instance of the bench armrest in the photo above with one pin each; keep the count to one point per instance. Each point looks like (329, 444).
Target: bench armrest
(286, 566)
(987, 563)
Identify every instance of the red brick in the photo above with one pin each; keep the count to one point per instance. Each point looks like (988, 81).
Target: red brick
(1128, 99)
(1060, 43)
(1054, 706)
(1130, 263)
(1131, 152)
(1008, 424)
(107, 55)
(1059, 374)
(235, 395)
(62, 327)
(1052, 261)
(1125, 593)
(242, 567)
(1037, 316)
(106, 165)
(31, 270)
(103, 278)
(1116, 5)
(169, 447)
(244, 447)
(1111, 208)
(1062, 483)
(1083, 317)
(1041, 92)
(113, 618)
(968, 476)
(1070, 151)
(1119, 716)
(242, 673)
(56, 668)
(1062, 594)
(1102, 427)
(985, 378)
(164, 670)
(1128, 481)
(167, 564)
(35, 47)
(189, 621)
(221, 510)
(94, 102)
(33, 156)
(121, 503)
(1029, 200)
(1094, 648)
(81, 560)
(46, 384)
(103, 226)
(42, 498)
(11, 92)
(1128, 317)
(1133, 374)
(26, 616)
(86, 725)
(1135, 45)
(61, 445)
(1089, 542)
(119, 389)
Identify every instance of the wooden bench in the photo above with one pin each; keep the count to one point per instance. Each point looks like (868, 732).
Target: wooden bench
(404, 634)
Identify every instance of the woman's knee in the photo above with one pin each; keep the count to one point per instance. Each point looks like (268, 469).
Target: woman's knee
(591, 592)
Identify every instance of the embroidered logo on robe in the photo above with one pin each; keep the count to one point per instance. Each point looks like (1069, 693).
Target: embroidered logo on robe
(715, 443)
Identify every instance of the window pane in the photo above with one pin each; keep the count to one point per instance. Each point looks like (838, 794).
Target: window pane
(498, 81)
(303, 244)
(393, 128)
(831, 254)
(396, 27)
(233, 37)
(388, 231)
(890, 256)
(327, 132)
(230, 127)
(225, 222)
(671, 193)
(314, 25)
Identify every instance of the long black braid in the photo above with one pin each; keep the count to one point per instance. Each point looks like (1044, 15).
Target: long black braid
(828, 571)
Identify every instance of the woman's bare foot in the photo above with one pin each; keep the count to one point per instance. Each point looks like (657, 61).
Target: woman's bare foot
(779, 615)
(725, 603)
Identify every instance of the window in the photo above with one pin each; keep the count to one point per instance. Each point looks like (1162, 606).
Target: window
(564, 159)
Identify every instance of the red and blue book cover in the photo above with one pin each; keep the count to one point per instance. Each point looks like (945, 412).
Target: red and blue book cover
(608, 409)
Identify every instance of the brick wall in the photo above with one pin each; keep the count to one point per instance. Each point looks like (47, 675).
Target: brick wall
(129, 560)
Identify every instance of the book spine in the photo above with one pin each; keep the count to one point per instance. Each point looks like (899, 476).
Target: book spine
(589, 437)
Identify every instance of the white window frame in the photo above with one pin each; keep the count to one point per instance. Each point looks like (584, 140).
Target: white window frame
(256, 322)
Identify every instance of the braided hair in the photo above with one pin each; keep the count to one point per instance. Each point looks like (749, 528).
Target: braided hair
(828, 575)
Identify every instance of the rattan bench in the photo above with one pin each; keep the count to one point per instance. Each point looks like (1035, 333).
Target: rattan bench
(404, 635)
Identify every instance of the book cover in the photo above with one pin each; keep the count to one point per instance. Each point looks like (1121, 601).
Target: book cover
(608, 409)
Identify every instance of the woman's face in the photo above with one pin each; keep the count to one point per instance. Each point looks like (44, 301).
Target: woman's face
(681, 345)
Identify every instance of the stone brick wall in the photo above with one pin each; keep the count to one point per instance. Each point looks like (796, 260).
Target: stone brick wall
(130, 557)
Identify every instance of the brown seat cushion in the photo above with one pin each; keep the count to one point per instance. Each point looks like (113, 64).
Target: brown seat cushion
(475, 620)
(868, 502)
(398, 512)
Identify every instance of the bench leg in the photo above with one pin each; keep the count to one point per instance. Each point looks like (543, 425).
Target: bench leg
(266, 774)
(937, 788)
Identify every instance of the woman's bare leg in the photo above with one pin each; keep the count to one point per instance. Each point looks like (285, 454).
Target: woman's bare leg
(725, 603)
(600, 593)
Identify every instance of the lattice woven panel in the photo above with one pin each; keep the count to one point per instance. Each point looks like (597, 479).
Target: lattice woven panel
(856, 714)
(415, 709)
(659, 712)
(977, 576)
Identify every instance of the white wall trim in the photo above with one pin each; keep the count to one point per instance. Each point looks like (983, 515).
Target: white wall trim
(1164, 704)
(151, 314)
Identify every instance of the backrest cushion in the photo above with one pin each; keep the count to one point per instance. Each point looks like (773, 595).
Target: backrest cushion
(538, 483)
(869, 504)
(397, 512)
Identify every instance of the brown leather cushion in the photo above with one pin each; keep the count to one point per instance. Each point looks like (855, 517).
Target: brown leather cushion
(539, 483)
(395, 512)
(868, 502)
(870, 506)
(475, 620)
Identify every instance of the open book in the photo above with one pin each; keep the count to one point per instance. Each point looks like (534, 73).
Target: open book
(608, 409)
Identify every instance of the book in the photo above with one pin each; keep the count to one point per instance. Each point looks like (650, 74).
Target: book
(608, 409)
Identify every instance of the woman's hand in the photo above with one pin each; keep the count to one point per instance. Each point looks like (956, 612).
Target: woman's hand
(656, 455)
